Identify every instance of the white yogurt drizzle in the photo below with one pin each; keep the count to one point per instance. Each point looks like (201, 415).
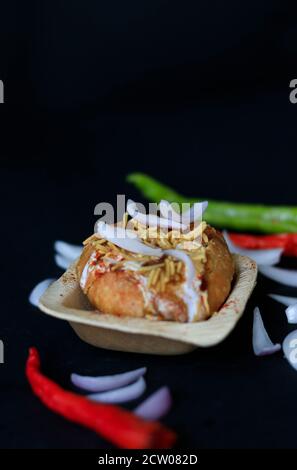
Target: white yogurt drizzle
(190, 294)
(146, 293)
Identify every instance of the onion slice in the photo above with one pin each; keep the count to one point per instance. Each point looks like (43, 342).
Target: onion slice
(191, 296)
(283, 299)
(63, 262)
(152, 220)
(126, 239)
(38, 290)
(266, 257)
(290, 348)
(262, 344)
(287, 277)
(291, 313)
(106, 382)
(67, 250)
(121, 395)
(156, 405)
(191, 215)
(291, 303)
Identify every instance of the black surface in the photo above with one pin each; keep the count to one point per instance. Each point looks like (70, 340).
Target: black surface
(219, 125)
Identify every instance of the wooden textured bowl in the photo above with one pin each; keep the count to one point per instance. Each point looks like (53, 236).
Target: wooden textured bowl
(64, 299)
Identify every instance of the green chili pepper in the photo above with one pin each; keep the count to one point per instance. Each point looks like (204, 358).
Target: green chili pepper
(231, 215)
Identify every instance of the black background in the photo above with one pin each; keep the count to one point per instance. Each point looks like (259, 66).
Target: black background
(193, 93)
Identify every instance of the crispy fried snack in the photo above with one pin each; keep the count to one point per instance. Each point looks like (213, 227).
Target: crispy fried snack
(127, 284)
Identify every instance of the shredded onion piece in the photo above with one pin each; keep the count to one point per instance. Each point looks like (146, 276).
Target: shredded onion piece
(290, 348)
(291, 303)
(155, 406)
(287, 277)
(191, 296)
(106, 382)
(62, 262)
(38, 290)
(291, 313)
(194, 213)
(262, 344)
(67, 250)
(126, 239)
(152, 220)
(266, 257)
(121, 395)
(283, 299)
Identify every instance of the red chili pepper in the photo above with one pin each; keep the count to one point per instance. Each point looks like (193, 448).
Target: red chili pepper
(287, 241)
(115, 424)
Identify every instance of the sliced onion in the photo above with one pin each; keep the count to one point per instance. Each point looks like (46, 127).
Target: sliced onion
(121, 395)
(67, 250)
(106, 382)
(62, 262)
(191, 296)
(191, 215)
(290, 348)
(155, 406)
(291, 303)
(283, 299)
(262, 344)
(38, 290)
(266, 257)
(126, 239)
(291, 313)
(287, 277)
(152, 220)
